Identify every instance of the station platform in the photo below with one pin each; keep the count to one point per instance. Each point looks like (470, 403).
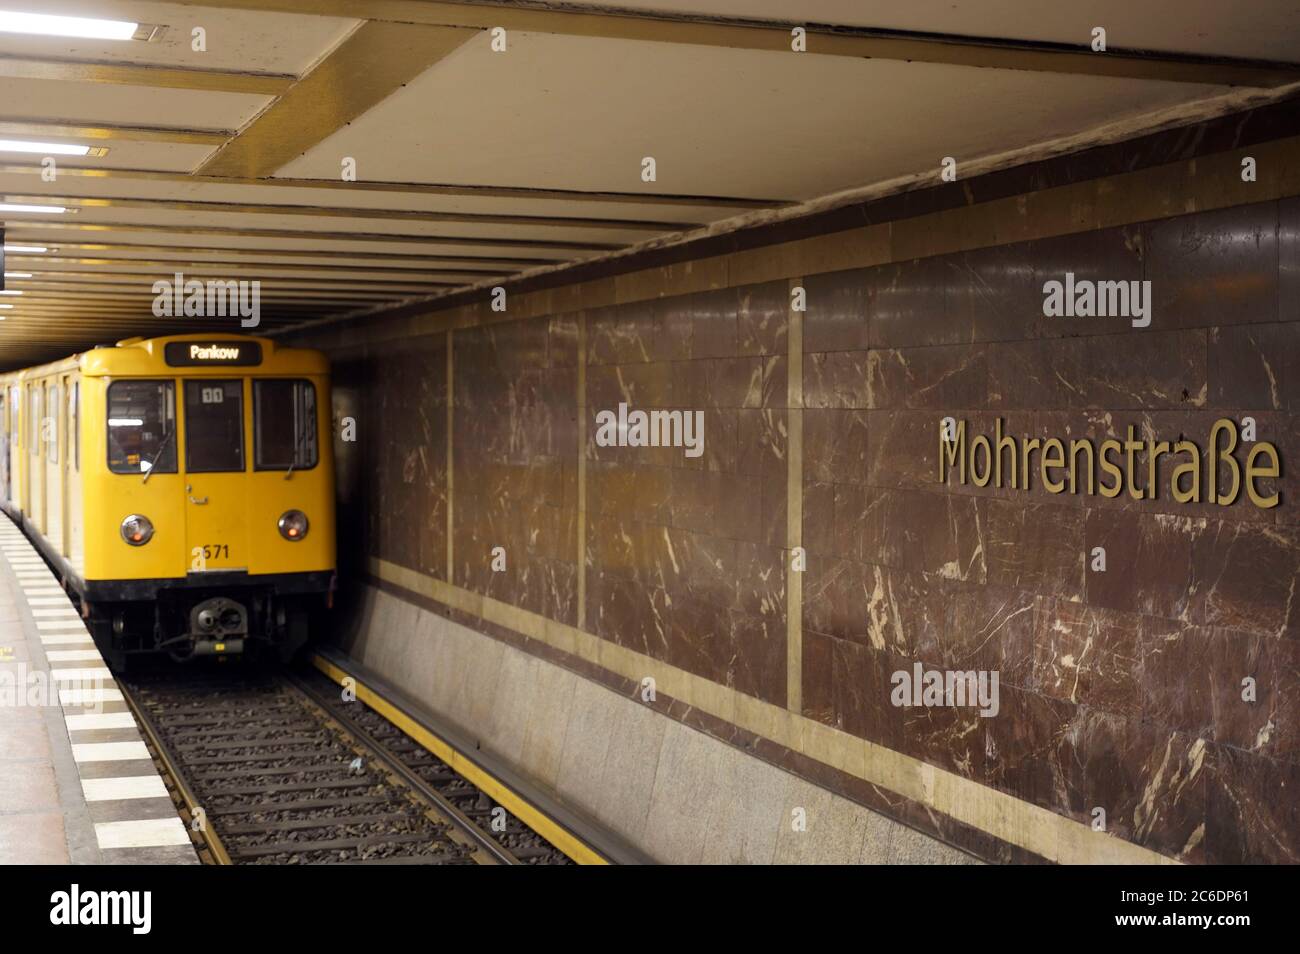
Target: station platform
(77, 784)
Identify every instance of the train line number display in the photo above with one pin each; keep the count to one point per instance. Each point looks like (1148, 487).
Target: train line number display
(212, 395)
(213, 551)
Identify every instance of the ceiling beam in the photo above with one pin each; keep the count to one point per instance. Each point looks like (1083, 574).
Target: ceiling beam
(410, 188)
(774, 36)
(397, 238)
(62, 129)
(375, 61)
(136, 74)
(418, 260)
(334, 271)
(346, 212)
(76, 276)
(144, 293)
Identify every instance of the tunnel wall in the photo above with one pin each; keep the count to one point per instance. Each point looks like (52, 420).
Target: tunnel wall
(1120, 689)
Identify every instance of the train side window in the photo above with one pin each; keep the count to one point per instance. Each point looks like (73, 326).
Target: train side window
(52, 425)
(284, 424)
(214, 426)
(14, 411)
(74, 432)
(141, 421)
(34, 413)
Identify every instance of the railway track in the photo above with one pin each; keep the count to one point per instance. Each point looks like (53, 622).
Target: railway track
(275, 768)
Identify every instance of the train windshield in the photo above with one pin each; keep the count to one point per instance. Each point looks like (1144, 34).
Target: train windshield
(214, 426)
(284, 422)
(141, 417)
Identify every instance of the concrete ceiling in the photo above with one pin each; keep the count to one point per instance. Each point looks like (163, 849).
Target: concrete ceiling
(474, 165)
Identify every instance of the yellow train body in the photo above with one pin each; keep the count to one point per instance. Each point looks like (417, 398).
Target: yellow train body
(239, 434)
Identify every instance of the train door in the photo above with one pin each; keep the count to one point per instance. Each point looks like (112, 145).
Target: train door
(65, 463)
(216, 479)
(16, 479)
(36, 455)
(53, 497)
(5, 488)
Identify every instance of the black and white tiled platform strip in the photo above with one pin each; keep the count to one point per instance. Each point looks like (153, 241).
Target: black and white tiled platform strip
(133, 817)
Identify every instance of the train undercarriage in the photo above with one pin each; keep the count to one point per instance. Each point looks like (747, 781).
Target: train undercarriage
(190, 622)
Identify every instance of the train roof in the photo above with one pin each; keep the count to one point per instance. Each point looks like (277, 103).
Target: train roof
(216, 354)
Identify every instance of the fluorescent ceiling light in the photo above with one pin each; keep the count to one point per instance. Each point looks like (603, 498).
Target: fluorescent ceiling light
(48, 209)
(44, 24)
(6, 306)
(10, 291)
(43, 148)
(26, 249)
(18, 274)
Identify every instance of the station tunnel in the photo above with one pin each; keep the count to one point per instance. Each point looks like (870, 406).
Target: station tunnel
(692, 432)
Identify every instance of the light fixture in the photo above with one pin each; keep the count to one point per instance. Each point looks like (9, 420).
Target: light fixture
(18, 274)
(48, 209)
(44, 24)
(137, 529)
(43, 148)
(6, 306)
(26, 249)
(10, 291)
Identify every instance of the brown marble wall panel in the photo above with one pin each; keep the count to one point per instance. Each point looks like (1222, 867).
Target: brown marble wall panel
(1212, 269)
(1138, 371)
(1288, 259)
(514, 443)
(1037, 547)
(990, 628)
(683, 554)
(1246, 576)
(941, 378)
(1250, 816)
(939, 534)
(836, 311)
(1120, 690)
(1099, 705)
(835, 446)
(763, 319)
(1234, 688)
(1148, 562)
(1089, 655)
(401, 426)
(1254, 367)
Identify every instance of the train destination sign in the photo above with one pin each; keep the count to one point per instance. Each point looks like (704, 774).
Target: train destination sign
(188, 354)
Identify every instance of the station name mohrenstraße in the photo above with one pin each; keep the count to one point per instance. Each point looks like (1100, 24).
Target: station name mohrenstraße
(1208, 474)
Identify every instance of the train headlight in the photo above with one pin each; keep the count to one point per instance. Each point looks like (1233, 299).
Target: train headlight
(137, 530)
(293, 525)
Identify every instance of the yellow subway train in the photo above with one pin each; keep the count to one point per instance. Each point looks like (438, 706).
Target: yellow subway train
(181, 487)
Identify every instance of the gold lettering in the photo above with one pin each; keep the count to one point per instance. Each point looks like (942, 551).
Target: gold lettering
(952, 452)
(981, 442)
(1132, 446)
(1003, 443)
(1216, 455)
(1274, 469)
(1031, 444)
(1154, 450)
(1075, 447)
(1193, 467)
(1053, 456)
(1111, 468)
